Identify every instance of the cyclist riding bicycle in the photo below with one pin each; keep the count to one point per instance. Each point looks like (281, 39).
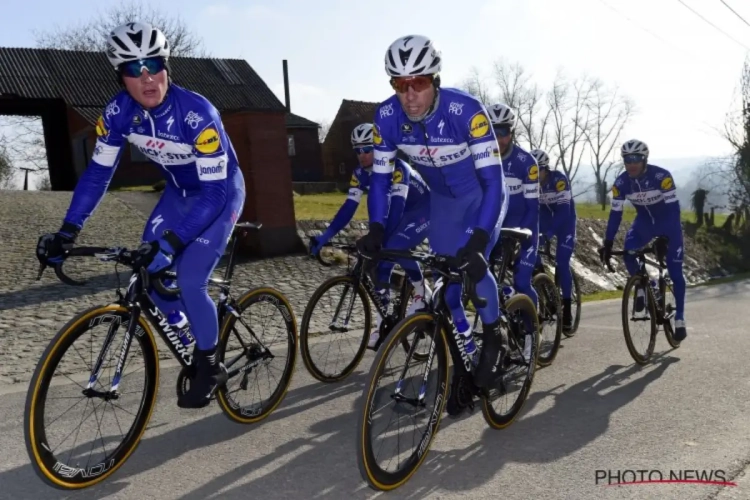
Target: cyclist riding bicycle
(204, 195)
(522, 180)
(446, 134)
(557, 217)
(652, 192)
(407, 226)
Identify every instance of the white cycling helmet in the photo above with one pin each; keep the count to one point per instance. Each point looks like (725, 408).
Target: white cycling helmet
(634, 147)
(412, 55)
(501, 114)
(362, 135)
(133, 41)
(542, 158)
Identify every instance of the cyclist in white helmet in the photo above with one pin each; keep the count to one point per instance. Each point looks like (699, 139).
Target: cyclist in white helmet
(406, 228)
(557, 217)
(653, 193)
(190, 226)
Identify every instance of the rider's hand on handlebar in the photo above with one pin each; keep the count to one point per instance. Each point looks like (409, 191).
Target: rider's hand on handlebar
(156, 256)
(315, 244)
(372, 242)
(51, 247)
(472, 254)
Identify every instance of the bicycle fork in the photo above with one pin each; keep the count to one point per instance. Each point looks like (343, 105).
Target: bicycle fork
(135, 314)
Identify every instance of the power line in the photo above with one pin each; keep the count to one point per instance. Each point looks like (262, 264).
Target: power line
(735, 12)
(647, 30)
(716, 27)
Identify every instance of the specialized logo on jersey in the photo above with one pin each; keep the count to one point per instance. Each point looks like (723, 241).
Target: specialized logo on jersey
(479, 125)
(534, 173)
(560, 185)
(101, 130)
(615, 191)
(667, 183)
(397, 176)
(208, 141)
(376, 135)
(354, 182)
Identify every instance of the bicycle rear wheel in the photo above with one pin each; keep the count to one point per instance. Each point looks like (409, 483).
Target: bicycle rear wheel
(640, 349)
(74, 469)
(522, 328)
(550, 316)
(407, 394)
(253, 352)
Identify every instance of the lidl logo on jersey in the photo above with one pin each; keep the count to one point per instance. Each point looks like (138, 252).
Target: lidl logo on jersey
(101, 130)
(560, 185)
(376, 135)
(667, 183)
(208, 141)
(615, 192)
(534, 173)
(354, 182)
(479, 125)
(397, 176)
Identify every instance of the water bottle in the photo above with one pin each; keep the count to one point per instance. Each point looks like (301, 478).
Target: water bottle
(179, 322)
(655, 289)
(465, 331)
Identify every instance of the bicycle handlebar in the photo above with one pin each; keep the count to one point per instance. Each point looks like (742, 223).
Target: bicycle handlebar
(109, 254)
(638, 253)
(444, 264)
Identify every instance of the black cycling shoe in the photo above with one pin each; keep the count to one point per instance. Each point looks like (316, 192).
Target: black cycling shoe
(567, 315)
(209, 375)
(494, 349)
(680, 332)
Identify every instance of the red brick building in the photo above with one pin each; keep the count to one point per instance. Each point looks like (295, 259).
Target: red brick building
(68, 89)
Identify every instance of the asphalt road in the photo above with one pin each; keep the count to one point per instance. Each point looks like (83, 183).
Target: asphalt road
(593, 409)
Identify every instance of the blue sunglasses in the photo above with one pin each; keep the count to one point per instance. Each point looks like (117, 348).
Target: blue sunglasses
(134, 69)
(634, 158)
(502, 131)
(363, 150)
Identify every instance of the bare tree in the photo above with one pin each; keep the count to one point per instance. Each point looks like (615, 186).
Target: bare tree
(608, 113)
(43, 183)
(7, 172)
(526, 98)
(91, 35)
(736, 169)
(325, 127)
(569, 104)
(476, 85)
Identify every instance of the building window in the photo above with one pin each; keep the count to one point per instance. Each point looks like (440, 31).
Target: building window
(290, 144)
(136, 155)
(342, 168)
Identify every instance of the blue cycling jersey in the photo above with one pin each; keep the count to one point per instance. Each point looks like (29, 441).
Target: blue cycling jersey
(557, 208)
(522, 179)
(184, 135)
(408, 193)
(454, 149)
(654, 196)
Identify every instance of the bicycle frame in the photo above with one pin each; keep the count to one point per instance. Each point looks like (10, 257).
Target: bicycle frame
(138, 301)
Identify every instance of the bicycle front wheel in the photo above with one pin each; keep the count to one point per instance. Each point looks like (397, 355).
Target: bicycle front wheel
(416, 396)
(550, 318)
(81, 396)
(643, 314)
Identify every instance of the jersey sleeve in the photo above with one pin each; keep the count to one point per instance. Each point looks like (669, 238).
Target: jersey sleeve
(563, 199)
(382, 170)
(615, 213)
(482, 142)
(531, 195)
(209, 145)
(347, 210)
(399, 193)
(669, 192)
(95, 180)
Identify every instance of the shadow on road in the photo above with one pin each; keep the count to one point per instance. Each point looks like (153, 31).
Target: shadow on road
(324, 465)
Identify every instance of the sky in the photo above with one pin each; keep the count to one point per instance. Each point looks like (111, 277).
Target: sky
(681, 72)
